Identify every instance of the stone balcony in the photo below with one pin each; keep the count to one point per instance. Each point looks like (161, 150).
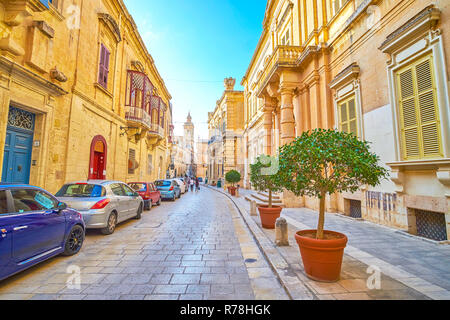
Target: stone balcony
(283, 57)
(137, 116)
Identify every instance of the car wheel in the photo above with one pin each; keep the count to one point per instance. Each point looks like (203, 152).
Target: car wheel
(74, 241)
(111, 226)
(159, 202)
(139, 213)
(150, 205)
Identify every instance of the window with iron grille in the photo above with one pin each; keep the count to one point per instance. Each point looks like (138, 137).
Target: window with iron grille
(431, 225)
(131, 161)
(104, 66)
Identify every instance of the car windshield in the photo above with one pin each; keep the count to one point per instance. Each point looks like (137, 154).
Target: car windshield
(81, 191)
(163, 183)
(139, 187)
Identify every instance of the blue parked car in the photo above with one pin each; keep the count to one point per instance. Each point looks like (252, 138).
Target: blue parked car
(170, 189)
(35, 226)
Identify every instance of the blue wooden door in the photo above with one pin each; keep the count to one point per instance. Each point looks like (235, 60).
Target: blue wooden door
(17, 152)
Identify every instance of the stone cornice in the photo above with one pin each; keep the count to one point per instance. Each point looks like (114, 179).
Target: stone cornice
(350, 72)
(18, 71)
(424, 20)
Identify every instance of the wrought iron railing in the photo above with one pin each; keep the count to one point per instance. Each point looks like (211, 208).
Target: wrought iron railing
(139, 115)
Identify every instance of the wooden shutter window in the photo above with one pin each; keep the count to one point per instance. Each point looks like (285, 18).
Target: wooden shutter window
(104, 67)
(348, 117)
(419, 113)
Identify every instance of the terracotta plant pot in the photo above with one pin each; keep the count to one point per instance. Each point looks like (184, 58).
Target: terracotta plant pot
(232, 190)
(269, 216)
(322, 259)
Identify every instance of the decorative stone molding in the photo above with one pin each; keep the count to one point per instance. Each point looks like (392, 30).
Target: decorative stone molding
(440, 166)
(45, 28)
(349, 74)
(138, 65)
(424, 21)
(57, 75)
(229, 83)
(10, 47)
(26, 75)
(111, 24)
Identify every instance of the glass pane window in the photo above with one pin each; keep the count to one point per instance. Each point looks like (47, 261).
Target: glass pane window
(28, 200)
(3, 202)
(128, 191)
(140, 187)
(117, 189)
(81, 191)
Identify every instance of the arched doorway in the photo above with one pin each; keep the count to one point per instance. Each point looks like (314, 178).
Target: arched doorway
(97, 163)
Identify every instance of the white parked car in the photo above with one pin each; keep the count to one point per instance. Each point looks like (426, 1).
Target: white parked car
(182, 185)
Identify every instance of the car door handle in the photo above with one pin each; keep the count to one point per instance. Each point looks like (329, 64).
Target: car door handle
(20, 228)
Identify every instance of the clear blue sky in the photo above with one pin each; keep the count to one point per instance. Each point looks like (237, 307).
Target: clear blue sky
(195, 45)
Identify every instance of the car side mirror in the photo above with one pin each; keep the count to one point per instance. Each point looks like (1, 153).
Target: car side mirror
(62, 206)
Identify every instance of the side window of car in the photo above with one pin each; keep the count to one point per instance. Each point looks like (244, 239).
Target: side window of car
(3, 202)
(28, 200)
(128, 191)
(117, 190)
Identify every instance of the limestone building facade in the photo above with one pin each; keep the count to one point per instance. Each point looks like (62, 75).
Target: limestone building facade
(225, 124)
(376, 68)
(80, 95)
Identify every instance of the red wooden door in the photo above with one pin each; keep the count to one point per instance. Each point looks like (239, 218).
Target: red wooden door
(99, 166)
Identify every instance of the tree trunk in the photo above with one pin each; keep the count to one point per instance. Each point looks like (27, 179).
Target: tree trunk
(270, 198)
(321, 223)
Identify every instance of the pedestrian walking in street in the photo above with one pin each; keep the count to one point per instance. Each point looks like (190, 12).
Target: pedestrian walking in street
(197, 185)
(192, 184)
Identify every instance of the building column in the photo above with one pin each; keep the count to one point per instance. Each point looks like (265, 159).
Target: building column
(315, 103)
(287, 114)
(269, 107)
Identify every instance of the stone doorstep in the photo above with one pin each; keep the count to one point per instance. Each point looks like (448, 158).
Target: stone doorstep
(261, 203)
(295, 288)
(266, 195)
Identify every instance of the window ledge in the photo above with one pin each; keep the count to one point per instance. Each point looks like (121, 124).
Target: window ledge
(56, 12)
(419, 164)
(441, 166)
(106, 91)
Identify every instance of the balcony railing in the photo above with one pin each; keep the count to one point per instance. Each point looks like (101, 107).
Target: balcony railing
(138, 115)
(283, 56)
(142, 106)
(156, 129)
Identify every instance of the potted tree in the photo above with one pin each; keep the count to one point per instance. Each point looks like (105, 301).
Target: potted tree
(263, 176)
(324, 162)
(232, 177)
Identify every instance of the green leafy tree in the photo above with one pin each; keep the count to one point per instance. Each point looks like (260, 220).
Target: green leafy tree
(233, 177)
(322, 162)
(263, 176)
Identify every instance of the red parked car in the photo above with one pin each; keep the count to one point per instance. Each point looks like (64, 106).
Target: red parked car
(148, 192)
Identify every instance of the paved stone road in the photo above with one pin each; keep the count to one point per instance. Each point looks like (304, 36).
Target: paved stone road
(195, 248)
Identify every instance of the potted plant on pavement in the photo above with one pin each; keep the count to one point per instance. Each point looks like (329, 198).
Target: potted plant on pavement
(263, 176)
(325, 162)
(233, 177)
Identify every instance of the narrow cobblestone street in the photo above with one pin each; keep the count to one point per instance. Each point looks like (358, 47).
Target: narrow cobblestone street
(194, 248)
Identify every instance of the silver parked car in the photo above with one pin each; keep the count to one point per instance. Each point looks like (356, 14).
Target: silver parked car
(103, 204)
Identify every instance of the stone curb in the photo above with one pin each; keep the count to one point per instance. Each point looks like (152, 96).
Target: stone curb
(295, 288)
